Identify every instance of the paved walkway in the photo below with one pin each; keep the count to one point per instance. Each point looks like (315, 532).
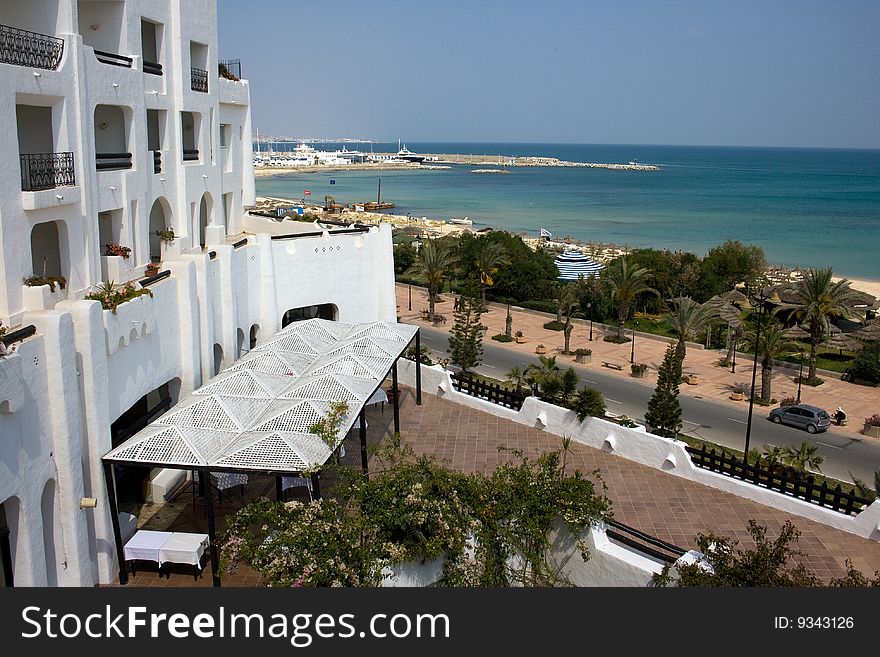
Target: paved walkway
(715, 382)
(665, 506)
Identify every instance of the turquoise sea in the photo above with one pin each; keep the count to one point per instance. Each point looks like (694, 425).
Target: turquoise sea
(805, 207)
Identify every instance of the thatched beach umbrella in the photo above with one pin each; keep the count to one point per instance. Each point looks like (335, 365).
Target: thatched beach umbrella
(796, 333)
(842, 341)
(869, 332)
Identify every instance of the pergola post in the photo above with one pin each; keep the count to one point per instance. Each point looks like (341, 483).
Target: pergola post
(110, 477)
(395, 393)
(212, 533)
(418, 367)
(279, 490)
(363, 434)
(316, 485)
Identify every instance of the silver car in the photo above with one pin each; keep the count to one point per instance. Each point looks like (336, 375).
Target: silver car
(811, 418)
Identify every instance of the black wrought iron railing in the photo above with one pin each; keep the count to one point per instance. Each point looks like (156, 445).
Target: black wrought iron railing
(157, 161)
(189, 155)
(152, 68)
(23, 48)
(782, 481)
(199, 80)
(113, 59)
(112, 161)
(492, 392)
(46, 171)
(230, 69)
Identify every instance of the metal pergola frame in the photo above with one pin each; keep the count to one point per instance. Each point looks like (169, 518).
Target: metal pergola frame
(371, 349)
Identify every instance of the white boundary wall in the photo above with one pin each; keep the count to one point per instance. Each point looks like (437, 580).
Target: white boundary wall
(642, 447)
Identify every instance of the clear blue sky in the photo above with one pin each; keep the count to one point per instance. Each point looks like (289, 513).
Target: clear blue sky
(762, 73)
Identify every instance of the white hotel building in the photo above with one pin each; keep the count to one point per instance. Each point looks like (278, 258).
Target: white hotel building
(118, 127)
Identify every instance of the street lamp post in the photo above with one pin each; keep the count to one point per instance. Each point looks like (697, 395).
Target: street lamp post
(410, 296)
(761, 299)
(590, 307)
(800, 375)
(632, 355)
(733, 366)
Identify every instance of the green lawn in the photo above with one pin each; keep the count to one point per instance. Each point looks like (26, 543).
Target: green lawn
(833, 361)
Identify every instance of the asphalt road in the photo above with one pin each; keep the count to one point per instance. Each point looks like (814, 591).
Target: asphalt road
(723, 424)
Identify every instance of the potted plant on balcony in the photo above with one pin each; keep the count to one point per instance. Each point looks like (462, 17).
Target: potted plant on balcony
(540, 349)
(152, 269)
(639, 370)
(583, 355)
(872, 426)
(520, 338)
(166, 235)
(114, 249)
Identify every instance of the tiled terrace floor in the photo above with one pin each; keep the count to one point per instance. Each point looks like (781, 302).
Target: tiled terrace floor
(668, 507)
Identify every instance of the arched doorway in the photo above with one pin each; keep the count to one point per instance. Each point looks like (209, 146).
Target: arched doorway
(48, 506)
(8, 524)
(206, 210)
(239, 343)
(218, 359)
(47, 255)
(322, 311)
(160, 220)
(132, 482)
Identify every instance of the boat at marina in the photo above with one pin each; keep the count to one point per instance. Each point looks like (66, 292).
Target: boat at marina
(462, 222)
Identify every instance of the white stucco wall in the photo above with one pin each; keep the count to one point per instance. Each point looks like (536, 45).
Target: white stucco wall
(643, 447)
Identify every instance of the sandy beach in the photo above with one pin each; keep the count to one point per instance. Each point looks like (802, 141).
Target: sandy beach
(438, 227)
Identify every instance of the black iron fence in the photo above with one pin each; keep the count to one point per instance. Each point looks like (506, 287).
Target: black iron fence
(113, 59)
(157, 161)
(190, 154)
(803, 487)
(230, 69)
(493, 392)
(46, 171)
(199, 80)
(112, 161)
(18, 335)
(23, 48)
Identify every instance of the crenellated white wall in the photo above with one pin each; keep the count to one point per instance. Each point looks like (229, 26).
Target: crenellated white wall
(640, 446)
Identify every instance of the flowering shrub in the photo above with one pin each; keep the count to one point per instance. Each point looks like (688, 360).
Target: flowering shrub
(412, 508)
(318, 544)
(152, 269)
(873, 421)
(111, 295)
(114, 249)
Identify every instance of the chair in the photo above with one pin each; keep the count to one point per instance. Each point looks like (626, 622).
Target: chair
(295, 482)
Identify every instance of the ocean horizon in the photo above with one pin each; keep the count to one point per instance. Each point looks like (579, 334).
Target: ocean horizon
(806, 207)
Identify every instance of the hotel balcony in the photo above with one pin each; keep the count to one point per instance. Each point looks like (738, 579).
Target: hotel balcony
(41, 171)
(199, 80)
(32, 49)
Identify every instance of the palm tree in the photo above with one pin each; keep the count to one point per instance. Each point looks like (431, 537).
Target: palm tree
(568, 303)
(625, 284)
(802, 457)
(537, 375)
(517, 377)
(687, 320)
(434, 261)
(489, 257)
(771, 344)
(818, 301)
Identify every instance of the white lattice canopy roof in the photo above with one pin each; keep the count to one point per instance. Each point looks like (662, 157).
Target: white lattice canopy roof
(256, 414)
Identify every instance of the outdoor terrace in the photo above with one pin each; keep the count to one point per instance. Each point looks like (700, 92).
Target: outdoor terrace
(667, 507)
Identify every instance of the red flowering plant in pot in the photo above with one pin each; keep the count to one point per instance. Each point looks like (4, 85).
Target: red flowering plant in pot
(114, 249)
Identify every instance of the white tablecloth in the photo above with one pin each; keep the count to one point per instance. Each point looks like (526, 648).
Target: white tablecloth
(224, 480)
(380, 396)
(293, 482)
(146, 545)
(184, 548)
